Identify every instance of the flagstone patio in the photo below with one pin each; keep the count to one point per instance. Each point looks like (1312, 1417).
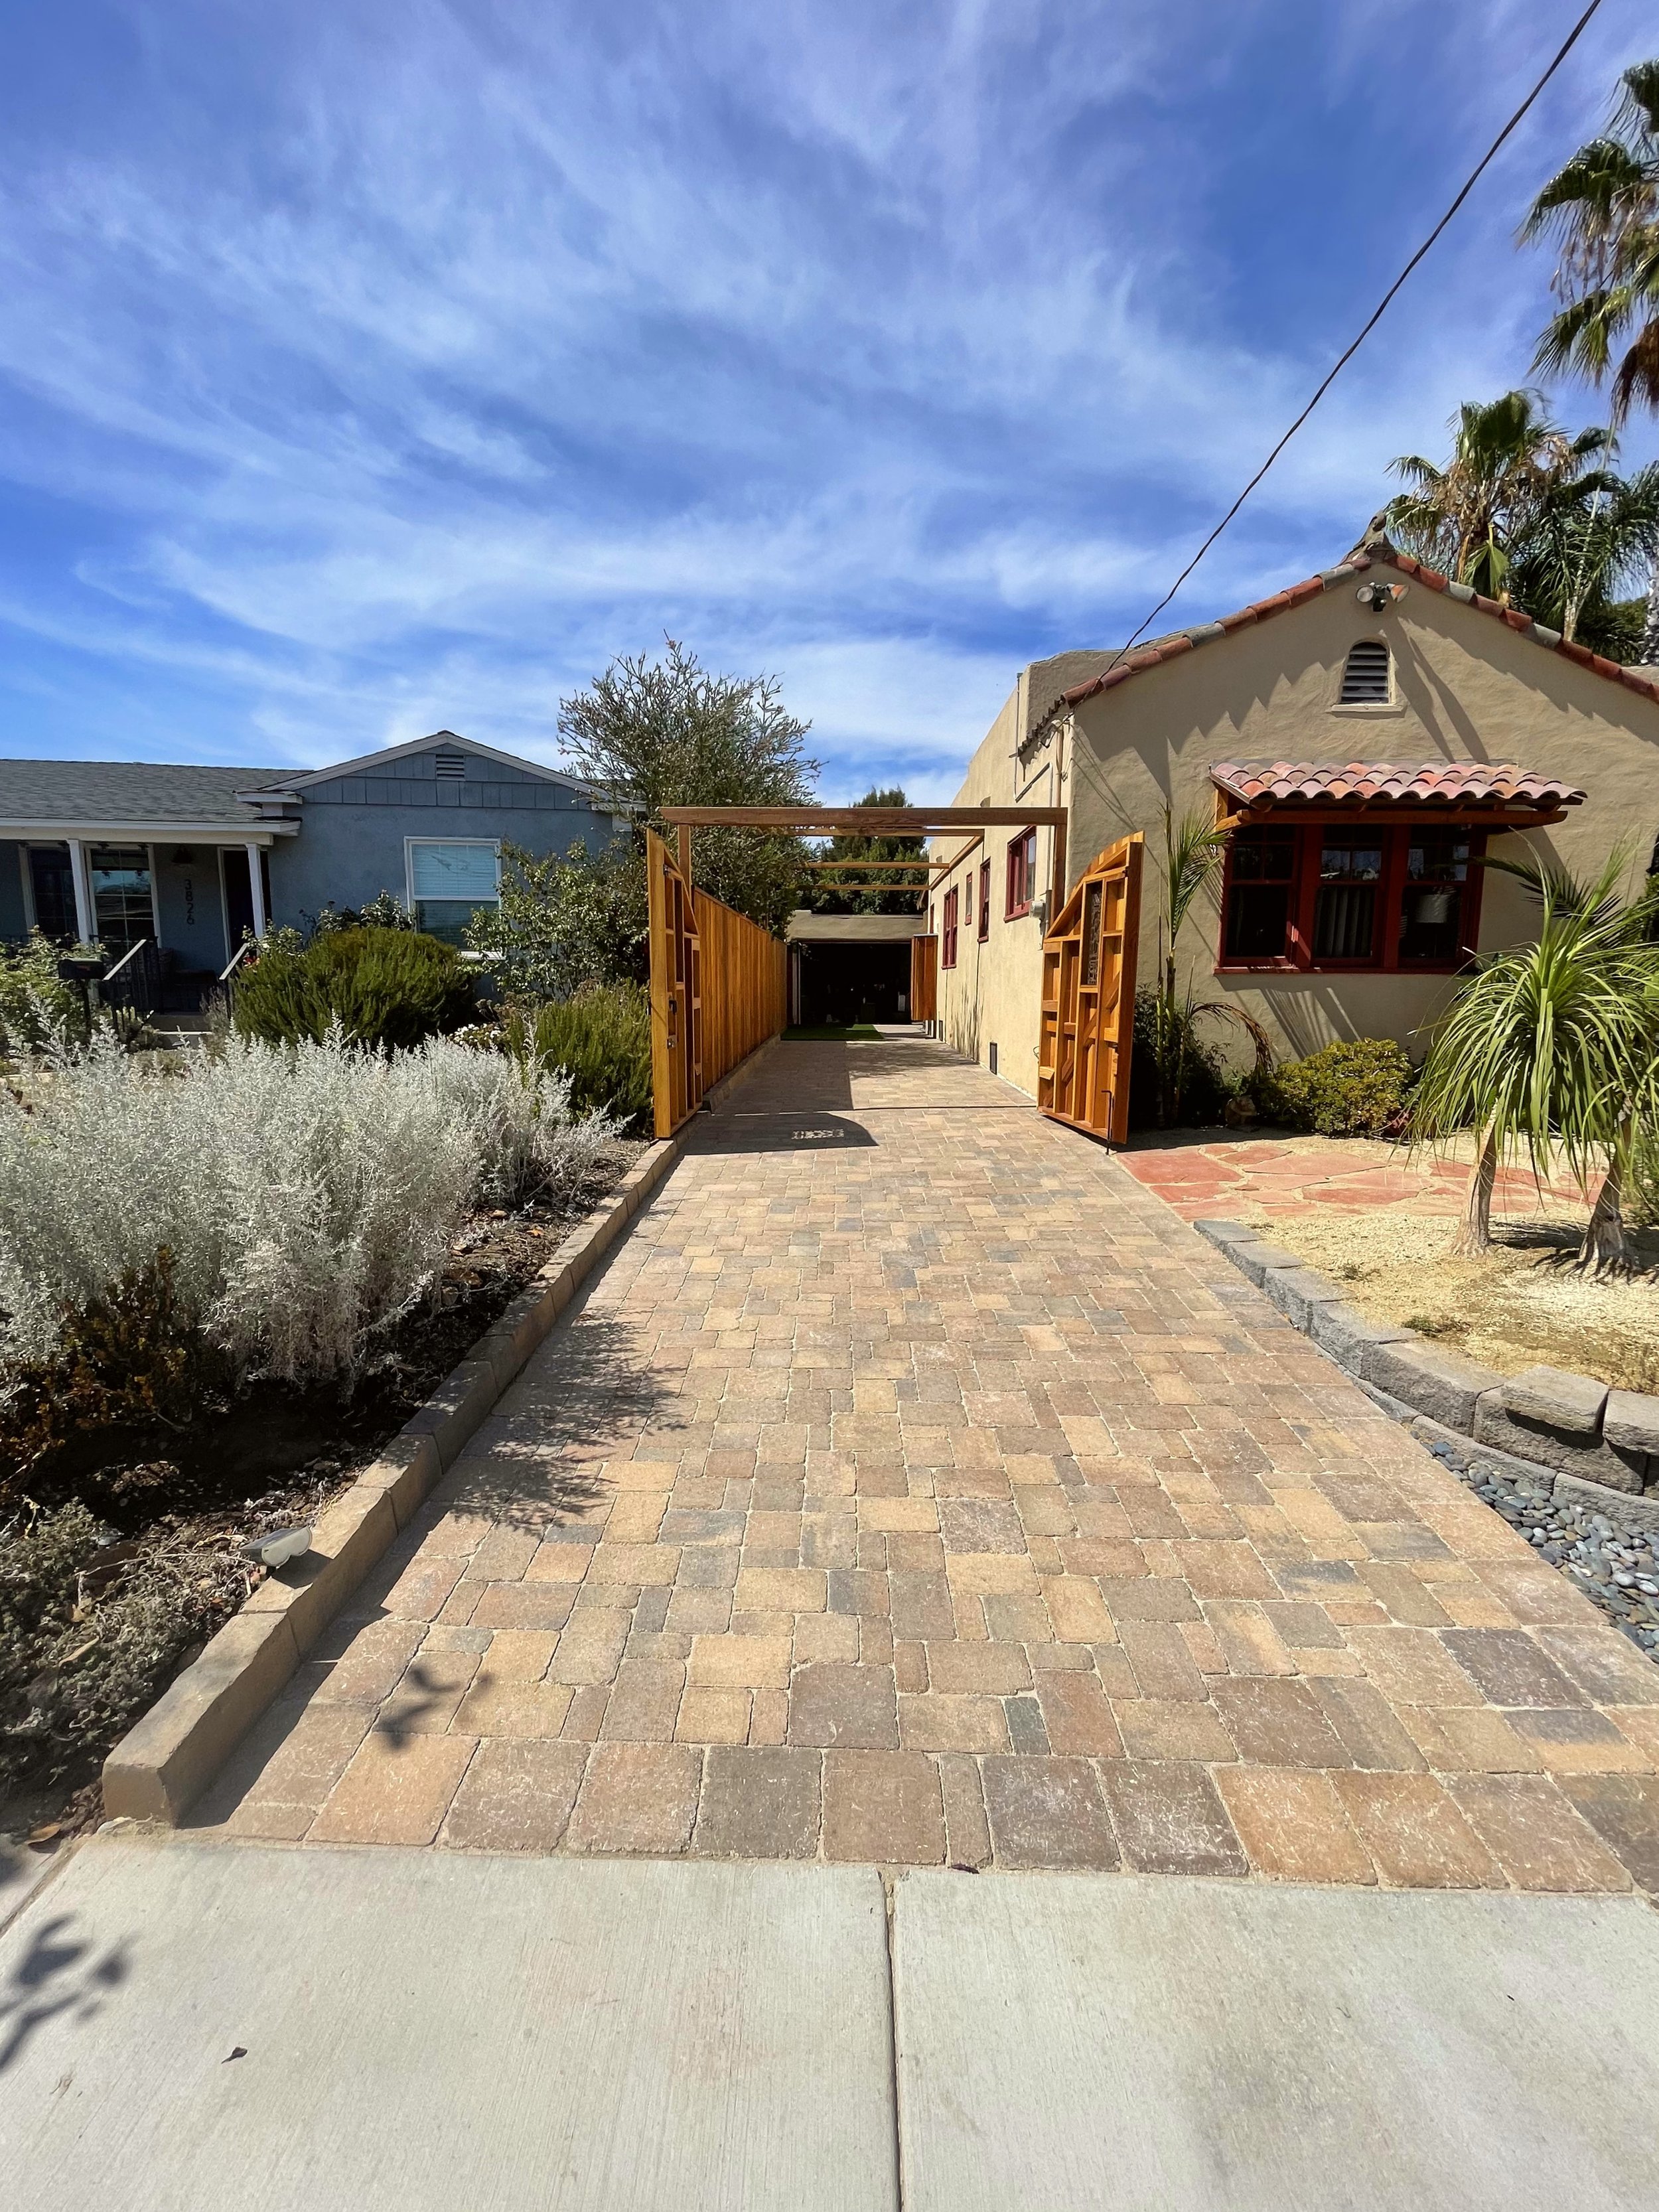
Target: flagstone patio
(913, 1487)
(1207, 1173)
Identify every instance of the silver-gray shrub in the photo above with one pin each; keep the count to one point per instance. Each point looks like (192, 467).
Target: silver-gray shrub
(307, 1192)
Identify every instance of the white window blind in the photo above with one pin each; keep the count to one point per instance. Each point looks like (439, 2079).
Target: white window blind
(453, 871)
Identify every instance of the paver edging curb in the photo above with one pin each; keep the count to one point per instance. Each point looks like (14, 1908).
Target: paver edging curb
(1443, 1397)
(166, 1760)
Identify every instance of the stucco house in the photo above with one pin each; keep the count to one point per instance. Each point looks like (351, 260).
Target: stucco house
(192, 859)
(1369, 735)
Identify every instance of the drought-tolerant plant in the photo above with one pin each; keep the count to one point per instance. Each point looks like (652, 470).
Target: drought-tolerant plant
(35, 1007)
(1353, 1088)
(668, 732)
(125, 1359)
(1194, 850)
(564, 922)
(385, 988)
(383, 911)
(1554, 1048)
(305, 1195)
(88, 1638)
(599, 1041)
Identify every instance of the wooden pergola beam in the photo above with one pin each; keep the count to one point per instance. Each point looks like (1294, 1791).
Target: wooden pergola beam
(867, 821)
(879, 867)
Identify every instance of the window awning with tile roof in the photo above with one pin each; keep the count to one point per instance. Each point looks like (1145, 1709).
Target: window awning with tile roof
(1495, 792)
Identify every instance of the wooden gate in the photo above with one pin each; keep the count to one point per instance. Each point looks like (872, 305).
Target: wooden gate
(718, 988)
(1089, 996)
(924, 978)
(676, 1078)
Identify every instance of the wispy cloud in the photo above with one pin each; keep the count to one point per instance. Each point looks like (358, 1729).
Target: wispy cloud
(400, 367)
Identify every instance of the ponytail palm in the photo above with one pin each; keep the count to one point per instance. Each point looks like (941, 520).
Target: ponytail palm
(1551, 1047)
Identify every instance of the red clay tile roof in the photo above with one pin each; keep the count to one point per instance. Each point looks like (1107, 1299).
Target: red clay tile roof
(1376, 552)
(1443, 783)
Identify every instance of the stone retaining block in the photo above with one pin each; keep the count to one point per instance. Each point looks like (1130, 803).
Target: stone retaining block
(168, 1758)
(1298, 1292)
(1595, 1445)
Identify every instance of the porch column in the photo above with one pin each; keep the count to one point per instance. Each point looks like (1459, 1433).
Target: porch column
(256, 884)
(86, 915)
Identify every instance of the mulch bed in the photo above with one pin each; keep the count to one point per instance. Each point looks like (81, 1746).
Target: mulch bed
(134, 1604)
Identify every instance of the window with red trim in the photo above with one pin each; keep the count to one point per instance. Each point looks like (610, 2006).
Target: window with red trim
(947, 951)
(1351, 895)
(1021, 873)
(984, 900)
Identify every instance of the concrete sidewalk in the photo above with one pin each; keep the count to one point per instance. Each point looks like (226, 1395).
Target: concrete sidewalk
(185, 2027)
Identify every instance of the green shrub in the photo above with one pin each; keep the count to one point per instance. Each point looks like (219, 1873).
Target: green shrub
(385, 988)
(601, 1041)
(1352, 1089)
(1193, 1088)
(33, 1002)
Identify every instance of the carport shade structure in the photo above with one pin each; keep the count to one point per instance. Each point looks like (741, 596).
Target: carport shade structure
(877, 822)
(680, 1071)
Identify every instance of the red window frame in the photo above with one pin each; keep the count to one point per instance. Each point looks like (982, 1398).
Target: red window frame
(984, 900)
(947, 950)
(1021, 873)
(1352, 862)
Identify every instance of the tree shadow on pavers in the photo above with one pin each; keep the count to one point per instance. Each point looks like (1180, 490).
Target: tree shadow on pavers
(589, 1391)
(804, 1129)
(57, 1974)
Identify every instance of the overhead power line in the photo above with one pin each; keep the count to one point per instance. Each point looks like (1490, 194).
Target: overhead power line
(1371, 322)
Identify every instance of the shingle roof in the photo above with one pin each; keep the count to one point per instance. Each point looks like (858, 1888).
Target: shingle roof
(1376, 552)
(1441, 783)
(127, 791)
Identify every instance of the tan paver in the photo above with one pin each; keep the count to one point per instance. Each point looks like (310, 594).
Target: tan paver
(925, 1490)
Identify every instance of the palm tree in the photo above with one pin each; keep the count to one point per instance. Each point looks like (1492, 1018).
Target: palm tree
(1603, 208)
(1588, 540)
(1550, 1046)
(1509, 460)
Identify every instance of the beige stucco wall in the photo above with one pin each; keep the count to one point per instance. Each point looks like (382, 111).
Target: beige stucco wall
(992, 995)
(1467, 688)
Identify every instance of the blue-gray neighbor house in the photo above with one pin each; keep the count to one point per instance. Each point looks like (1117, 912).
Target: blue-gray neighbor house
(191, 859)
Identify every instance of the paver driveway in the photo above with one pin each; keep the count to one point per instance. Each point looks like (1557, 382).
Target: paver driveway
(915, 1486)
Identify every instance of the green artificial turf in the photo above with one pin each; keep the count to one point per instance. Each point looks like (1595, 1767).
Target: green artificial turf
(860, 1029)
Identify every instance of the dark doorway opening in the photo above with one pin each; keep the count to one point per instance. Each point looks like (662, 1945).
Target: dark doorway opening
(841, 984)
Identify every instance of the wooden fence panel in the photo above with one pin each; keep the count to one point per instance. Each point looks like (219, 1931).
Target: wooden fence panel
(1089, 996)
(719, 988)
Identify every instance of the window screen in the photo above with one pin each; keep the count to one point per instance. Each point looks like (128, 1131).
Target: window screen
(1365, 677)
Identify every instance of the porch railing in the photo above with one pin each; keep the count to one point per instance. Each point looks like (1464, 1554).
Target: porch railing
(135, 981)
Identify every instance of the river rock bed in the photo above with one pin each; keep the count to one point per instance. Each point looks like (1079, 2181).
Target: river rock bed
(1617, 1569)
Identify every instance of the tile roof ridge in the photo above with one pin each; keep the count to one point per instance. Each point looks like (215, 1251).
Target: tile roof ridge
(1375, 550)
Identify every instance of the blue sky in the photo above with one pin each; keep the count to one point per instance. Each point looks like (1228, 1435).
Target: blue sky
(378, 368)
